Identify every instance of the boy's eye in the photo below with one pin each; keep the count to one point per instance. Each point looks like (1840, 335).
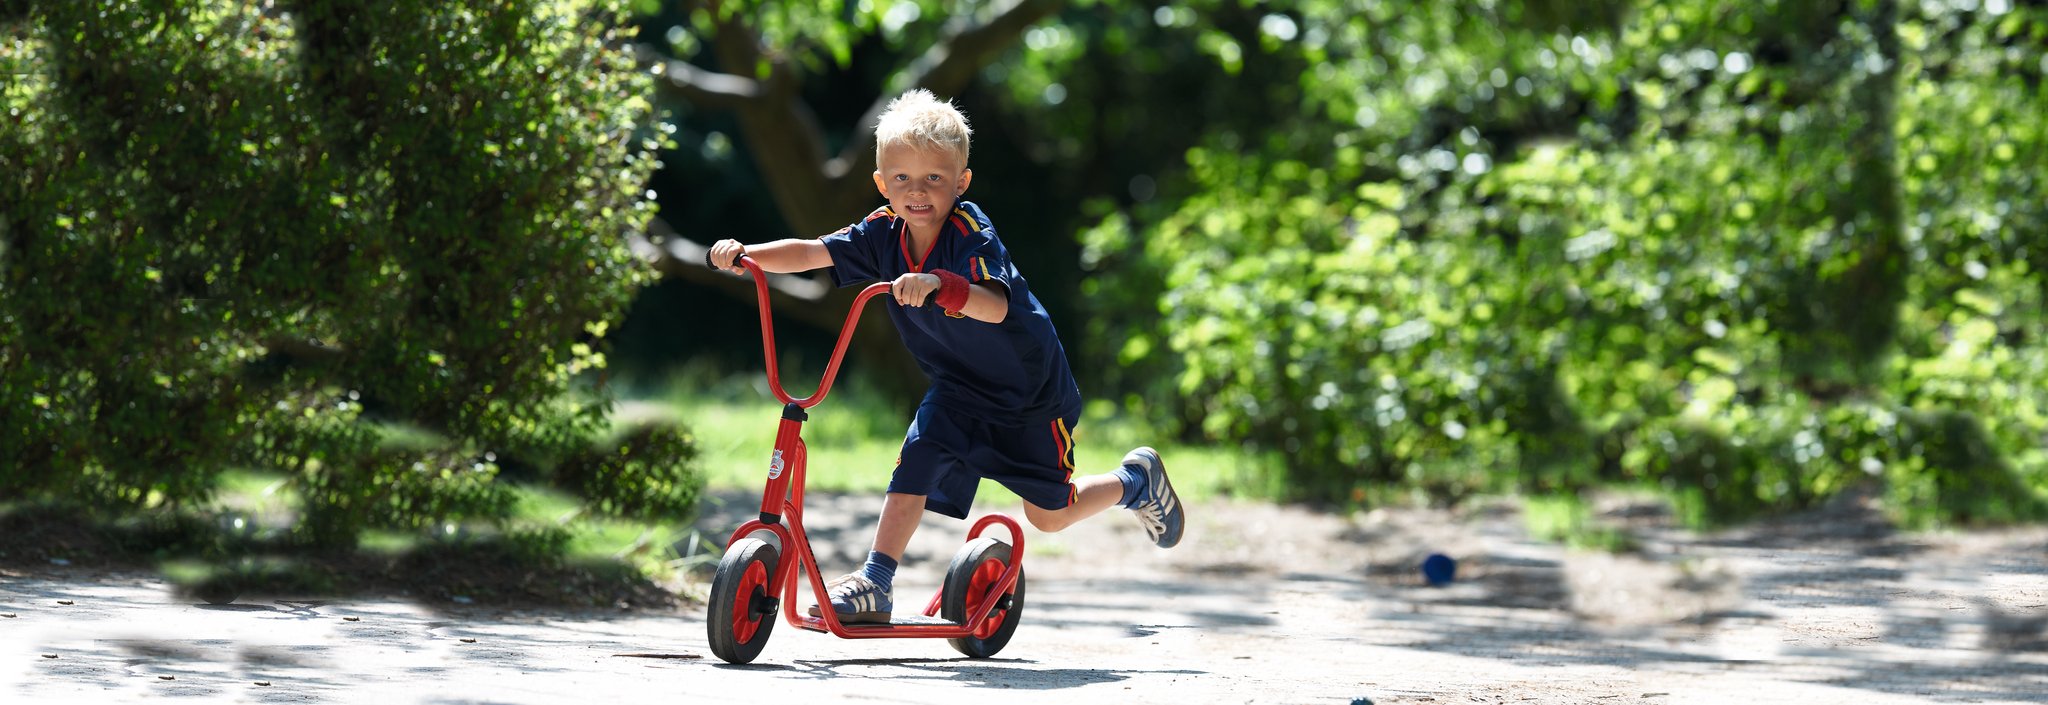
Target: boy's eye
(934, 177)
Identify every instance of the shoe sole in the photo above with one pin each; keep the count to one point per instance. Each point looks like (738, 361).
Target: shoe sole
(857, 617)
(1171, 540)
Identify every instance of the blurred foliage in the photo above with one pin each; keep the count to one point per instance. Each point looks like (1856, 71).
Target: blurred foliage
(236, 234)
(1752, 253)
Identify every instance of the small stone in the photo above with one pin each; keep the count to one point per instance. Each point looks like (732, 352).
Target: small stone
(351, 619)
(49, 656)
(263, 683)
(467, 640)
(166, 678)
(63, 602)
(9, 615)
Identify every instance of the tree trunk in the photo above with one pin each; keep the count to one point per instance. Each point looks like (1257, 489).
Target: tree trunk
(1843, 328)
(1870, 291)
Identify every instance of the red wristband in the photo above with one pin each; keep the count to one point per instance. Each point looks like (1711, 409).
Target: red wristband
(952, 294)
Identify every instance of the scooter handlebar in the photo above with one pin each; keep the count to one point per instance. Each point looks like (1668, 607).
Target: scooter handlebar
(768, 332)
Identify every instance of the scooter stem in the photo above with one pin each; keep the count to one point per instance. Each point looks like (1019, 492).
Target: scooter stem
(768, 336)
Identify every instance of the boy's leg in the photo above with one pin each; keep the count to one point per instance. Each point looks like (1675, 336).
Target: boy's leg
(1092, 494)
(1139, 484)
(900, 516)
(1037, 463)
(866, 595)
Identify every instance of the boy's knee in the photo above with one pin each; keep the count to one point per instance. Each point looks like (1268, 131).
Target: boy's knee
(1046, 520)
(1048, 524)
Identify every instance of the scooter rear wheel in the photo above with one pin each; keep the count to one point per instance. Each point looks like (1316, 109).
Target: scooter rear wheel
(742, 611)
(976, 568)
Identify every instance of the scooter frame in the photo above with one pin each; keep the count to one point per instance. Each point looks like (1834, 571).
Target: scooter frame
(782, 501)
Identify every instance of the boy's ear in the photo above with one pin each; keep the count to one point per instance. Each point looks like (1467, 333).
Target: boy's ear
(966, 177)
(878, 184)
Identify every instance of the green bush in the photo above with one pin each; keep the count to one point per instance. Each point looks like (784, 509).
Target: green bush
(1753, 254)
(645, 472)
(236, 234)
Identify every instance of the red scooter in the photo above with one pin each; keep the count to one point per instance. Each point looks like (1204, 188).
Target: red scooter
(976, 611)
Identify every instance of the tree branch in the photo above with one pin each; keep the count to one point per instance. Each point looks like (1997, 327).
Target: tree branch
(737, 46)
(676, 256)
(698, 86)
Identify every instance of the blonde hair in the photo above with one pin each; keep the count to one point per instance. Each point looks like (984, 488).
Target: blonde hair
(922, 121)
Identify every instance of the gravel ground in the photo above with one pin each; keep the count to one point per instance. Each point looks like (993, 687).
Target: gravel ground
(1261, 604)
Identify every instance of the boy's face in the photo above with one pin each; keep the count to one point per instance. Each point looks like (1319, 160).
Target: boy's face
(921, 184)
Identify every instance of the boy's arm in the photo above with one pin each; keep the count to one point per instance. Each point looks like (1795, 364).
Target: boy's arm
(985, 301)
(780, 256)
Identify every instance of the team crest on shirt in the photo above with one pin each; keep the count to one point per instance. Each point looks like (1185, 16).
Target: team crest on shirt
(955, 314)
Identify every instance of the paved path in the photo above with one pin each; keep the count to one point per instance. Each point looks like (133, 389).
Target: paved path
(1261, 606)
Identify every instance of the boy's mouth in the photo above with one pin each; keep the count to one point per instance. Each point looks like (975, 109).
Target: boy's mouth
(915, 209)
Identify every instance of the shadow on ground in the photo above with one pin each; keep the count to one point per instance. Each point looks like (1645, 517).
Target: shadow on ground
(208, 562)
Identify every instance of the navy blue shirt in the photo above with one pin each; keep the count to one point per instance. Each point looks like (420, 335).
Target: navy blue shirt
(1012, 373)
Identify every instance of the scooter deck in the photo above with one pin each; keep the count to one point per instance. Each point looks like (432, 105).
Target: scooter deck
(907, 619)
(898, 620)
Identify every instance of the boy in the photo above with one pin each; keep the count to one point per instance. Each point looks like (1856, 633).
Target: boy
(1002, 403)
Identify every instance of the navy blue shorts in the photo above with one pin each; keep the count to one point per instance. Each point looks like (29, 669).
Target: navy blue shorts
(945, 456)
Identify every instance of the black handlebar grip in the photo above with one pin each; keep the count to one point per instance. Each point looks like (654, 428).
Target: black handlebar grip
(735, 258)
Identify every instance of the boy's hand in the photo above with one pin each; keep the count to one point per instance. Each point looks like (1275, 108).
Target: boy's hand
(725, 254)
(913, 289)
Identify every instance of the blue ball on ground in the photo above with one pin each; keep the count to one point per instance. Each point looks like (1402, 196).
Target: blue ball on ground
(1439, 570)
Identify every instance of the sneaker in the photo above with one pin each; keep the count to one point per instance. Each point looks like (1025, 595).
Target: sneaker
(1158, 509)
(857, 600)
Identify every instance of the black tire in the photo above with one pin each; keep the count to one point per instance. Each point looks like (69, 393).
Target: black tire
(975, 565)
(742, 611)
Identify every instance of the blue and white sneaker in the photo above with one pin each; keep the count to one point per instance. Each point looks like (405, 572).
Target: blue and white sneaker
(1158, 509)
(858, 600)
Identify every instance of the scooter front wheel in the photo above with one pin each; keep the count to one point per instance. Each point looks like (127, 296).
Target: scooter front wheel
(976, 568)
(742, 611)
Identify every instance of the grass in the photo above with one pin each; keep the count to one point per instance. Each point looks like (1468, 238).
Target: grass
(647, 546)
(548, 551)
(853, 439)
(266, 498)
(254, 493)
